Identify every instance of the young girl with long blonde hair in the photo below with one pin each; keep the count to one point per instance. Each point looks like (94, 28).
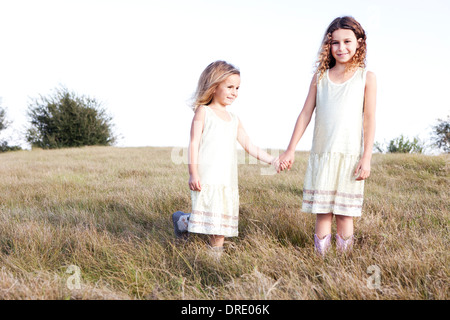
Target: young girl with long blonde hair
(343, 95)
(213, 174)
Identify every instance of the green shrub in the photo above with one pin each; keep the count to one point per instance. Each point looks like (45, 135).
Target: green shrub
(66, 119)
(401, 145)
(404, 145)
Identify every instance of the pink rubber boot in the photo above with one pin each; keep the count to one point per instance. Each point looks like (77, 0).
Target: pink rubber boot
(342, 245)
(321, 246)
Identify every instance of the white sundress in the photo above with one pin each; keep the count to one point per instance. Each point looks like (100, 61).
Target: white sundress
(330, 184)
(215, 209)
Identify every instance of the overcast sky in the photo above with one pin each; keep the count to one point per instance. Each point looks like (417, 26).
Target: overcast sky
(142, 60)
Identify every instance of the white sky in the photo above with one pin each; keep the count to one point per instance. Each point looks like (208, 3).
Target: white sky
(142, 59)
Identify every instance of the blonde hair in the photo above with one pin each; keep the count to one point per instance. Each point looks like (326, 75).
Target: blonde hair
(210, 78)
(326, 60)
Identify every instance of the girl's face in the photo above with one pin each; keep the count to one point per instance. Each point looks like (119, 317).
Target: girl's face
(343, 45)
(227, 91)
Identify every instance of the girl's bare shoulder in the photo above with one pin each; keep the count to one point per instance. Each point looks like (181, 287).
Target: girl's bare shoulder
(200, 112)
(370, 76)
(199, 115)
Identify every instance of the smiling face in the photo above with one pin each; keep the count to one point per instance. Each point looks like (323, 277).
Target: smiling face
(343, 45)
(227, 91)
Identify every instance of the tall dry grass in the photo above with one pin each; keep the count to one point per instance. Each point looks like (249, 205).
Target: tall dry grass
(107, 211)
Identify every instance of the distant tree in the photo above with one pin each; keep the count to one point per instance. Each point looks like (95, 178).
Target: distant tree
(4, 146)
(66, 119)
(441, 134)
(3, 122)
(404, 145)
(401, 145)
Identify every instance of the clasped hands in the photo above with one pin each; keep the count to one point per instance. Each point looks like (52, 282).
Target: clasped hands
(284, 161)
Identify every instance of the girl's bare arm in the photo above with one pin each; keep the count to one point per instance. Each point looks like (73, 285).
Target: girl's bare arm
(250, 148)
(194, 143)
(363, 168)
(288, 157)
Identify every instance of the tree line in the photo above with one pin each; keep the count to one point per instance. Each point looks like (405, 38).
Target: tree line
(440, 140)
(65, 119)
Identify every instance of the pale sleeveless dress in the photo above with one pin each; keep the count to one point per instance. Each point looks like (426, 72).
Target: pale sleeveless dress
(215, 208)
(330, 184)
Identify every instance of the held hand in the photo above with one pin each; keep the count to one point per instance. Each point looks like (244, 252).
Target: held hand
(362, 171)
(283, 166)
(286, 160)
(276, 164)
(194, 183)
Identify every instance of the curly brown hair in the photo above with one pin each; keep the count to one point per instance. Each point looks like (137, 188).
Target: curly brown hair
(326, 60)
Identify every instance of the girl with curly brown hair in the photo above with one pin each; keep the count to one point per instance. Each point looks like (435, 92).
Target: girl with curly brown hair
(343, 95)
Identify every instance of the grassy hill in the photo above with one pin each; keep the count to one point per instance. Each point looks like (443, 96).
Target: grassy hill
(107, 212)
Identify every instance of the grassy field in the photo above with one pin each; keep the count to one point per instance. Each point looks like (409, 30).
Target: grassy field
(94, 223)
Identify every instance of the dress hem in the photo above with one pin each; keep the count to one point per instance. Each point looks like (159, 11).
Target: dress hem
(214, 234)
